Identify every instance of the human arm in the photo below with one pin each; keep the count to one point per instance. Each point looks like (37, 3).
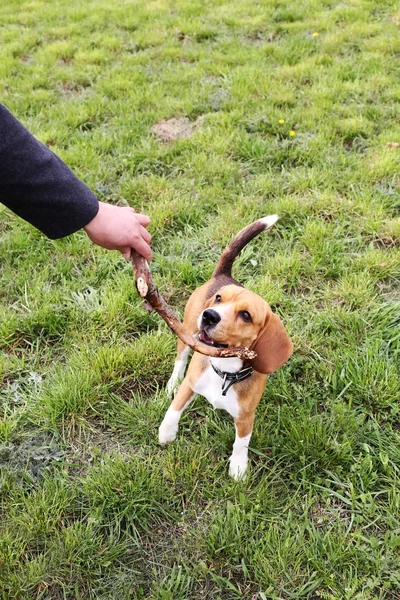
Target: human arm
(41, 189)
(38, 186)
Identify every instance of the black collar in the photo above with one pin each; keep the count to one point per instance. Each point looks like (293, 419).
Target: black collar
(230, 379)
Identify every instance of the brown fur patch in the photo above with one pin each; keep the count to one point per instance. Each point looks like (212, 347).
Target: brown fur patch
(232, 329)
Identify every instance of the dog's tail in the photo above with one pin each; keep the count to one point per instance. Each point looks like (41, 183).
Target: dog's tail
(224, 265)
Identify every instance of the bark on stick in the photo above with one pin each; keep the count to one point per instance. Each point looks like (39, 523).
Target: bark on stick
(147, 290)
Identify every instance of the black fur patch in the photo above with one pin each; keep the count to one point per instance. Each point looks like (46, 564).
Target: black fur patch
(216, 283)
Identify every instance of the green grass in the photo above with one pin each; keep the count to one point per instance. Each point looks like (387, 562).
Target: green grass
(91, 507)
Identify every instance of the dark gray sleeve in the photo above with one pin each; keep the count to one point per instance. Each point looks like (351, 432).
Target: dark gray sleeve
(38, 186)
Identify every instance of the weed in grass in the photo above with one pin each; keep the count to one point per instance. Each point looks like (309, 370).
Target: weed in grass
(29, 459)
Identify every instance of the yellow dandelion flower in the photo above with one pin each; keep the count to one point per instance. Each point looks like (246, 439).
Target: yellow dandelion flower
(281, 121)
(292, 133)
(315, 34)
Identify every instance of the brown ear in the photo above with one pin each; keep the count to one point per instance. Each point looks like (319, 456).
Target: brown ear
(273, 346)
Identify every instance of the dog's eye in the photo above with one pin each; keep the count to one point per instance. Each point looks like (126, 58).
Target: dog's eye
(217, 298)
(246, 316)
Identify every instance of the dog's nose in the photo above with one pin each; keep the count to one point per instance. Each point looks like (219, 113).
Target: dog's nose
(210, 317)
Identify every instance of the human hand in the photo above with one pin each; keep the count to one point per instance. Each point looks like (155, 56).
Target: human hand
(120, 228)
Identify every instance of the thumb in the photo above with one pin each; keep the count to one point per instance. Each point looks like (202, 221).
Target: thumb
(126, 252)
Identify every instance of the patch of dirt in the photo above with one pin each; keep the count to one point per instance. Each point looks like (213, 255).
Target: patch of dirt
(322, 515)
(27, 59)
(88, 448)
(258, 37)
(386, 242)
(180, 35)
(175, 129)
(146, 384)
(389, 290)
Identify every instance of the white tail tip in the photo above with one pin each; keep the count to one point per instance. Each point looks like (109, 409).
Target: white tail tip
(269, 221)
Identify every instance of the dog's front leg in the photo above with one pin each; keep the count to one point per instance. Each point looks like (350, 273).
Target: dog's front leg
(169, 427)
(179, 369)
(239, 458)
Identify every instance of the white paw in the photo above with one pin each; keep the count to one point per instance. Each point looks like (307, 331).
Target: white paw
(238, 467)
(166, 433)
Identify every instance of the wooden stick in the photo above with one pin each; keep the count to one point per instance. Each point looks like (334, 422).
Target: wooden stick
(147, 290)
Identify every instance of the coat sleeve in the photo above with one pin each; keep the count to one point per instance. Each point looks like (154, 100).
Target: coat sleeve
(38, 186)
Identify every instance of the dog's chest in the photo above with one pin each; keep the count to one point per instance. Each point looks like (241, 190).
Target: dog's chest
(209, 385)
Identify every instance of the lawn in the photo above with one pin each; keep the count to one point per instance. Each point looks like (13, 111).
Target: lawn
(293, 109)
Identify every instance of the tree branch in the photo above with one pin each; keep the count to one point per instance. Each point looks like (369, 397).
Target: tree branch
(147, 290)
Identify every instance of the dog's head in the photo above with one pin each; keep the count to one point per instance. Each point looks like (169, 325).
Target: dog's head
(234, 316)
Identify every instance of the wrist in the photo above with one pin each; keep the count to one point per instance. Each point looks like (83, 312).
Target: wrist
(89, 226)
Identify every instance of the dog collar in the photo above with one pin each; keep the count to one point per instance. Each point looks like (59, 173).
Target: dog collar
(230, 379)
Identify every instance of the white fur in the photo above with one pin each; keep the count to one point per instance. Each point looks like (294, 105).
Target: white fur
(239, 458)
(269, 221)
(220, 309)
(209, 385)
(169, 427)
(232, 365)
(178, 373)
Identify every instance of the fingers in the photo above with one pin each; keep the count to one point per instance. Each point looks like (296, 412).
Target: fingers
(140, 246)
(145, 235)
(142, 219)
(120, 228)
(141, 243)
(144, 249)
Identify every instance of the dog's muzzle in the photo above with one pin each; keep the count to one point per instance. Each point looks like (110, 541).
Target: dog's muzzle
(210, 317)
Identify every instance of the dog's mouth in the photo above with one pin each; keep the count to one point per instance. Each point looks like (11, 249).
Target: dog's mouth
(205, 339)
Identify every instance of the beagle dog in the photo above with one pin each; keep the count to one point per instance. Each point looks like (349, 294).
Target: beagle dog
(223, 313)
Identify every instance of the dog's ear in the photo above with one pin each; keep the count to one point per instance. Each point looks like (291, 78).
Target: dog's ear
(273, 346)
